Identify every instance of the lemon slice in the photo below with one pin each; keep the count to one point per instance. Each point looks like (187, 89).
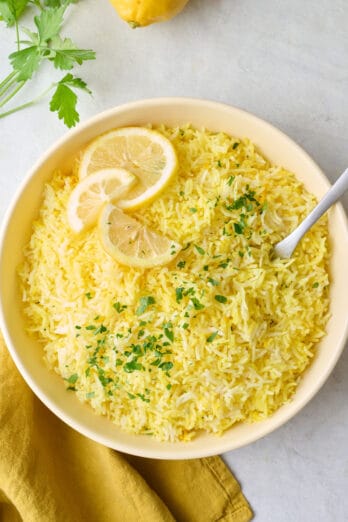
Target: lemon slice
(143, 152)
(131, 243)
(90, 194)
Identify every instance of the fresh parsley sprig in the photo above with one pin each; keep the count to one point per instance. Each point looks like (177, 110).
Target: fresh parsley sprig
(34, 48)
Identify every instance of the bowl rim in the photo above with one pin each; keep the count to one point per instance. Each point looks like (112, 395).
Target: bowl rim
(159, 453)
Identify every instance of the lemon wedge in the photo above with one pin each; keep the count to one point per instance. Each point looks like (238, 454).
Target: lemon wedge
(145, 153)
(131, 243)
(90, 194)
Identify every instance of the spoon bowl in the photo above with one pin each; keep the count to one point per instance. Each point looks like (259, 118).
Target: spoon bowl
(285, 248)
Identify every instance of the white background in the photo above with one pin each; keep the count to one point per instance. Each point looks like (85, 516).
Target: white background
(285, 61)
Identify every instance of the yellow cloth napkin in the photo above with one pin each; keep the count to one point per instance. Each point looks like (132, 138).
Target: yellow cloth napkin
(51, 473)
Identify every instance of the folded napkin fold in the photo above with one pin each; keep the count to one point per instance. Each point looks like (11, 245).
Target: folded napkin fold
(51, 473)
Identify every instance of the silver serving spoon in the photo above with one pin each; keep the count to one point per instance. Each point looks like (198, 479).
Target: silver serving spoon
(285, 248)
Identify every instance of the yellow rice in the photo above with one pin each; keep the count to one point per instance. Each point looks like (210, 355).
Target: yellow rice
(236, 358)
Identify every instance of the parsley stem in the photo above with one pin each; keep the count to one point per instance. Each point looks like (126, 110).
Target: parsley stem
(13, 93)
(28, 104)
(17, 35)
(7, 82)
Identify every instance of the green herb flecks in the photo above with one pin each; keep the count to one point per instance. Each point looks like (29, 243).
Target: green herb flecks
(221, 299)
(211, 337)
(197, 304)
(119, 307)
(145, 302)
(179, 293)
(133, 366)
(72, 379)
(200, 250)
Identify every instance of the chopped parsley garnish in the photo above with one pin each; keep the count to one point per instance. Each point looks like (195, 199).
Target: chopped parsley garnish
(166, 366)
(219, 164)
(238, 228)
(144, 303)
(101, 376)
(206, 268)
(77, 327)
(100, 329)
(197, 304)
(72, 379)
(220, 298)
(230, 180)
(179, 293)
(186, 247)
(185, 326)
(169, 334)
(91, 327)
(193, 210)
(168, 386)
(241, 254)
(131, 396)
(211, 337)
(90, 395)
(132, 366)
(88, 295)
(181, 264)
(181, 193)
(315, 285)
(235, 145)
(119, 307)
(213, 281)
(263, 207)
(142, 397)
(200, 250)
(224, 264)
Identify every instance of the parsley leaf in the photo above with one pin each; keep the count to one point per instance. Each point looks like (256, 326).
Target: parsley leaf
(64, 100)
(26, 62)
(65, 53)
(49, 22)
(11, 10)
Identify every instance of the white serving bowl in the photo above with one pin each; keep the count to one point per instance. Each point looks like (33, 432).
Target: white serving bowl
(28, 354)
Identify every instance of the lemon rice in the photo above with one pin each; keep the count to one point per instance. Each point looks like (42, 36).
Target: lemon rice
(221, 334)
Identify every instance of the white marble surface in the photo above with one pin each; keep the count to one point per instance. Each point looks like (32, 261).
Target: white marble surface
(284, 61)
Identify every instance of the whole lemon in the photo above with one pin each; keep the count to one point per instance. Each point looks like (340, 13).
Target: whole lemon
(139, 13)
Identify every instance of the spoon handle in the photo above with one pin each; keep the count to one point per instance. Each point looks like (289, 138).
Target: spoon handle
(287, 246)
